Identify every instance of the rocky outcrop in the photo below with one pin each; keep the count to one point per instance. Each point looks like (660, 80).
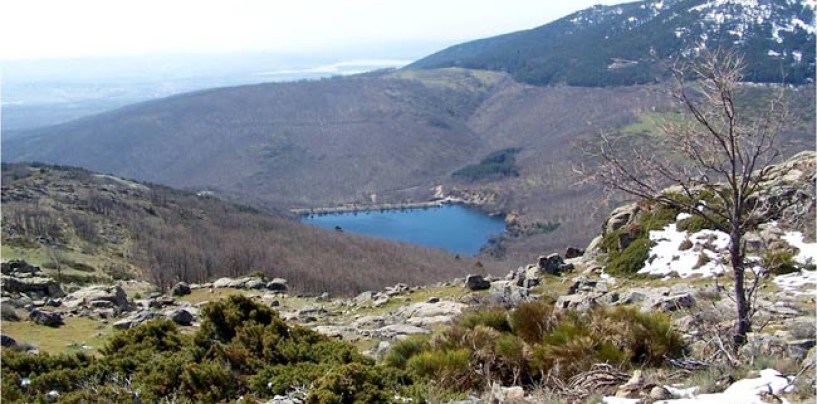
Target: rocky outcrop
(99, 296)
(476, 282)
(21, 278)
(46, 318)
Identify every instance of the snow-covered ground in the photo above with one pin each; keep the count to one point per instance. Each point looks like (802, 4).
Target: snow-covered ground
(666, 256)
(745, 391)
(703, 255)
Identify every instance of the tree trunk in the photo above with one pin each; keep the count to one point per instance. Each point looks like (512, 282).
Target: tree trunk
(743, 325)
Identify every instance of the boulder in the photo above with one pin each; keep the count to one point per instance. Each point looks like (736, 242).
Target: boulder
(675, 302)
(46, 318)
(255, 283)
(136, 319)
(277, 285)
(553, 264)
(32, 286)
(180, 289)
(476, 282)
(222, 282)
(180, 316)
(114, 294)
(9, 312)
(441, 308)
(7, 342)
(580, 302)
(619, 217)
(573, 252)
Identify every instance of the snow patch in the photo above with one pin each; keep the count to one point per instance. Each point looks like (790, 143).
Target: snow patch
(745, 391)
(808, 251)
(704, 257)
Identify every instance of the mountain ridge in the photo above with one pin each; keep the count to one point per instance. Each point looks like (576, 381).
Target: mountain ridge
(633, 43)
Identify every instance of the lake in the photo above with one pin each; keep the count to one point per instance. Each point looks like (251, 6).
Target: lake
(455, 228)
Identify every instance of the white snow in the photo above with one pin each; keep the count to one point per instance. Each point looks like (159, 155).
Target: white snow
(745, 391)
(808, 251)
(797, 55)
(773, 53)
(666, 256)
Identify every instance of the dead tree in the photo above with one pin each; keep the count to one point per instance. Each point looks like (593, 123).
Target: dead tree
(716, 148)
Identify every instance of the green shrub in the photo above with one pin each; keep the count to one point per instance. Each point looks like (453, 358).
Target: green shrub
(531, 321)
(220, 320)
(779, 261)
(209, 382)
(445, 368)
(631, 260)
(495, 318)
(400, 353)
(352, 383)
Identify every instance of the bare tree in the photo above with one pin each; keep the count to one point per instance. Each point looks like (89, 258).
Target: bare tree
(718, 150)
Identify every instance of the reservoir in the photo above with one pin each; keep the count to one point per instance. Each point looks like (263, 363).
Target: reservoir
(455, 228)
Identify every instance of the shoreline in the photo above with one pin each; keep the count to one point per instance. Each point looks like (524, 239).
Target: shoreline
(355, 208)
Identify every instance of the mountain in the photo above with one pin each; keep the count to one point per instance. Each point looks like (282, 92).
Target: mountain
(385, 137)
(96, 227)
(635, 42)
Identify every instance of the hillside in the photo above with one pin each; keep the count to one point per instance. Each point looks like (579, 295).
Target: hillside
(635, 42)
(91, 227)
(580, 329)
(385, 137)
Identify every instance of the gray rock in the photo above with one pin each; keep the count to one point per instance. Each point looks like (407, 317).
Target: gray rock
(7, 342)
(46, 318)
(180, 289)
(255, 283)
(277, 285)
(441, 308)
(573, 252)
(8, 312)
(476, 282)
(802, 327)
(136, 319)
(180, 316)
(101, 304)
(619, 217)
(580, 302)
(395, 330)
(32, 286)
(675, 302)
(113, 294)
(222, 283)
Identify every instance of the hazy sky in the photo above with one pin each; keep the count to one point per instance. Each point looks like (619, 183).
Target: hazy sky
(34, 29)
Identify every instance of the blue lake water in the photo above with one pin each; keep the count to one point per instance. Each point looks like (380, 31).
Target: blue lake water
(455, 228)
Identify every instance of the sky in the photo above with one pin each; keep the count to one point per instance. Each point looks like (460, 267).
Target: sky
(40, 29)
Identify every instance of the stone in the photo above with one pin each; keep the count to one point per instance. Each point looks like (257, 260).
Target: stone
(136, 319)
(101, 304)
(441, 308)
(222, 282)
(580, 302)
(573, 252)
(277, 285)
(180, 316)
(553, 264)
(46, 318)
(8, 312)
(395, 330)
(675, 302)
(619, 217)
(370, 322)
(7, 342)
(433, 300)
(660, 393)
(180, 289)
(114, 294)
(476, 282)
(255, 284)
(32, 286)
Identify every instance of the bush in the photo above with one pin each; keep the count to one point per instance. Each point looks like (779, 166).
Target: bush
(495, 318)
(352, 383)
(631, 260)
(445, 368)
(779, 261)
(531, 321)
(400, 353)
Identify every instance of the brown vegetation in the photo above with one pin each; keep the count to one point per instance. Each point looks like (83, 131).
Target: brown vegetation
(172, 235)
